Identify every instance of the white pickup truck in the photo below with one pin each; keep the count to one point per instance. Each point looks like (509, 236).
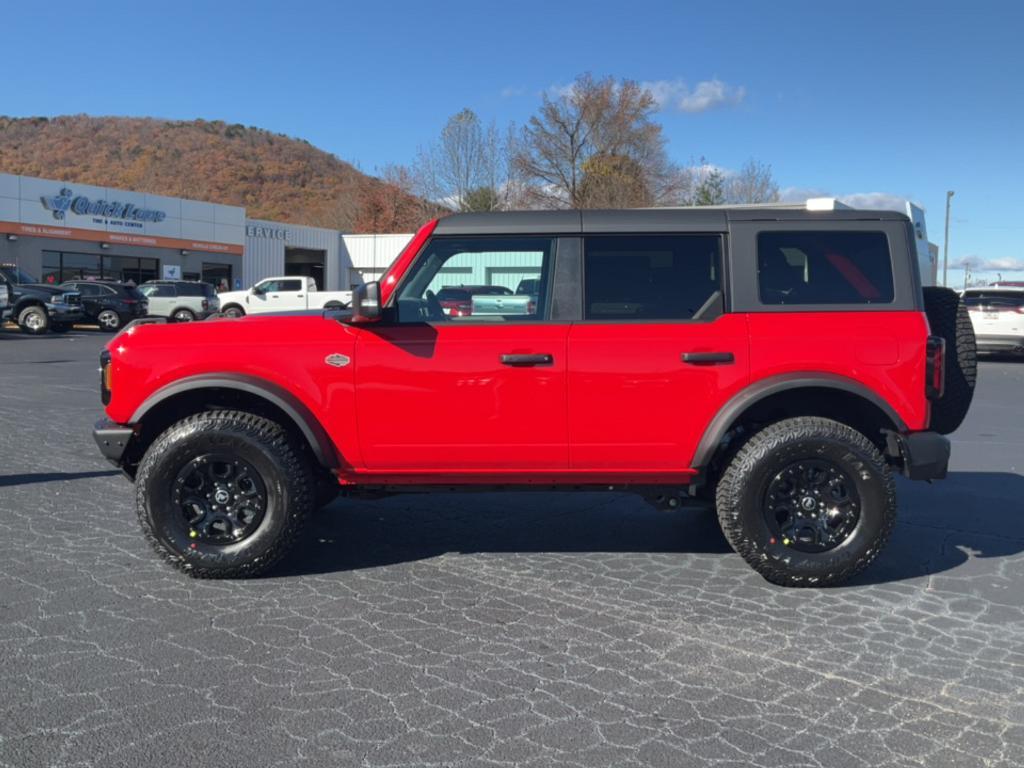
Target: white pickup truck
(281, 294)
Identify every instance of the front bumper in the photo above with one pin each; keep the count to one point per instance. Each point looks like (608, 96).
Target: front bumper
(113, 440)
(925, 455)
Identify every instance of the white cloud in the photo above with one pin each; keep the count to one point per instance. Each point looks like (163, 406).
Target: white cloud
(511, 91)
(707, 94)
(876, 201)
(882, 201)
(980, 264)
(677, 95)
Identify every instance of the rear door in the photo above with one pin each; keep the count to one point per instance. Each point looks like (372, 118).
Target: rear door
(654, 357)
(162, 298)
(484, 395)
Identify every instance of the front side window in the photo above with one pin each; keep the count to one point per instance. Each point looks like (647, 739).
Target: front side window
(824, 268)
(649, 277)
(474, 279)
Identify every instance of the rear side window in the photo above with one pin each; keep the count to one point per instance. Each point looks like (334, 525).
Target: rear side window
(649, 277)
(158, 291)
(995, 300)
(824, 268)
(190, 289)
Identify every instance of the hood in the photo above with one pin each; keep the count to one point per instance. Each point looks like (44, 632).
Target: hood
(52, 290)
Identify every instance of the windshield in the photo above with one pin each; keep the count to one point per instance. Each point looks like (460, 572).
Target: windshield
(16, 275)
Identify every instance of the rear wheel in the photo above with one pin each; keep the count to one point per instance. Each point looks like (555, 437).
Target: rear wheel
(183, 316)
(34, 320)
(807, 502)
(224, 494)
(948, 318)
(108, 320)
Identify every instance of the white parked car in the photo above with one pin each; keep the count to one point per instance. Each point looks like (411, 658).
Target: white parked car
(281, 294)
(997, 314)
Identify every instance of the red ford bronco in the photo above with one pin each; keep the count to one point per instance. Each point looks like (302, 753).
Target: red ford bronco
(779, 362)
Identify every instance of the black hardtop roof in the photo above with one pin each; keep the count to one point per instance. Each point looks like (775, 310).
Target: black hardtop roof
(175, 282)
(689, 219)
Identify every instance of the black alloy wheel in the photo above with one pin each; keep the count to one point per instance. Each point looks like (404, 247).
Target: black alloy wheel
(222, 499)
(811, 506)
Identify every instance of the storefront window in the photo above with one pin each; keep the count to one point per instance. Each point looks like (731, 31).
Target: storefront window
(217, 275)
(80, 266)
(130, 268)
(51, 267)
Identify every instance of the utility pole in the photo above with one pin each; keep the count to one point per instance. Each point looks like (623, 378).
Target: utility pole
(945, 241)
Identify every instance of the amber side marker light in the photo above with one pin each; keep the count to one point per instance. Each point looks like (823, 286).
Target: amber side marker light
(106, 371)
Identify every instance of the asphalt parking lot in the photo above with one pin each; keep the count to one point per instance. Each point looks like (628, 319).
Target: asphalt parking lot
(497, 630)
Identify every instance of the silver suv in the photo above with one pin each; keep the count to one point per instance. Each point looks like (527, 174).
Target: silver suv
(181, 300)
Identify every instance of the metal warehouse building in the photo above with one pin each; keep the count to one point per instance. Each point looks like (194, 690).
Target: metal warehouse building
(58, 230)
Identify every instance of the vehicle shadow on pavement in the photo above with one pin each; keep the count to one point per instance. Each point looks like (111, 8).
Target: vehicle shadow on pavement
(354, 534)
(48, 477)
(969, 516)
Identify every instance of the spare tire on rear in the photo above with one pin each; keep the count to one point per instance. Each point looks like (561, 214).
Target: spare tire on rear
(948, 318)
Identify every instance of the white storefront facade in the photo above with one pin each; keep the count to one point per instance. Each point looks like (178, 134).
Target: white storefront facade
(59, 230)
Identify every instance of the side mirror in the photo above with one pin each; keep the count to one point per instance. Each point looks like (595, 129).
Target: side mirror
(366, 303)
(255, 290)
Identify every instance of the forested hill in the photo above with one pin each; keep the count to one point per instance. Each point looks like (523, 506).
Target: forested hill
(275, 177)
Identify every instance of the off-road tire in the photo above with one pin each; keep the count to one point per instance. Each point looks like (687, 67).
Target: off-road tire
(183, 316)
(742, 487)
(35, 313)
(281, 464)
(233, 310)
(948, 318)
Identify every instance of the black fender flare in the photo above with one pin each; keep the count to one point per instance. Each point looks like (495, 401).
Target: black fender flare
(313, 432)
(772, 385)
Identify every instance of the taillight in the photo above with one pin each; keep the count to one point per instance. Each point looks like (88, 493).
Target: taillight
(206, 304)
(935, 367)
(130, 301)
(106, 378)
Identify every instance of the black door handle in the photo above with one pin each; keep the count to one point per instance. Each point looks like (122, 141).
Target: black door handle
(708, 358)
(525, 360)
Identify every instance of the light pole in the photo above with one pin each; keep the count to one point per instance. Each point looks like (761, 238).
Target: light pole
(945, 241)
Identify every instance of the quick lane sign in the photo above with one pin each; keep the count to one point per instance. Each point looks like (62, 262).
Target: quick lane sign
(81, 205)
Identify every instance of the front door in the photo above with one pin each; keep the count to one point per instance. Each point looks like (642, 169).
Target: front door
(654, 358)
(278, 295)
(483, 394)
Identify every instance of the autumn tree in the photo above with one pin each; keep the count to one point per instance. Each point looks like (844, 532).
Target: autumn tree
(467, 167)
(753, 183)
(595, 142)
(389, 206)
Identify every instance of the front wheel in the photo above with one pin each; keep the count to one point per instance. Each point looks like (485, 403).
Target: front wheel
(807, 502)
(233, 310)
(224, 494)
(34, 320)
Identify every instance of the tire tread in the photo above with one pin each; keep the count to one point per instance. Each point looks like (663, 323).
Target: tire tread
(274, 438)
(728, 497)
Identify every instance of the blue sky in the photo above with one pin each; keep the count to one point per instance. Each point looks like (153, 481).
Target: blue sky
(857, 98)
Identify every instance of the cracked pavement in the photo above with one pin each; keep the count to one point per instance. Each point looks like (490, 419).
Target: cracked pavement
(497, 629)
